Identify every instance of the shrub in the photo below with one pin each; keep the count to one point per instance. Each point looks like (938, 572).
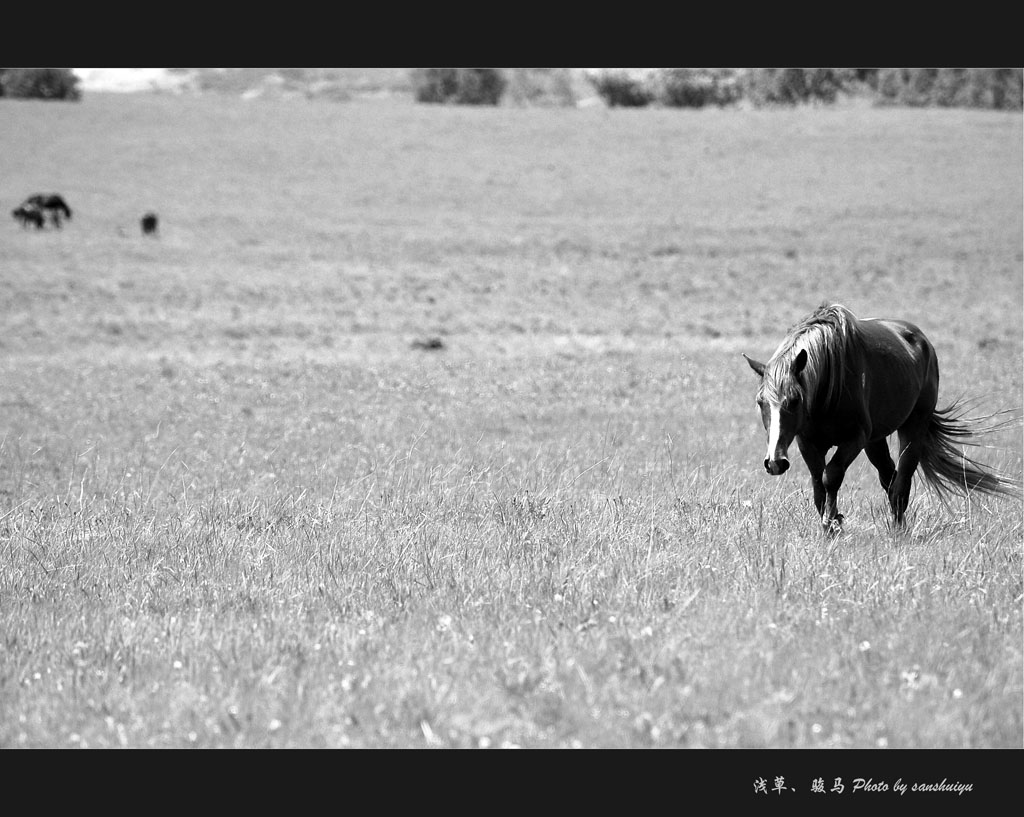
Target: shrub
(1005, 89)
(867, 77)
(793, 86)
(39, 83)
(825, 84)
(906, 86)
(433, 85)
(622, 88)
(697, 87)
(993, 88)
(461, 86)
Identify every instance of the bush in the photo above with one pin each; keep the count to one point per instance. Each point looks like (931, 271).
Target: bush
(39, 83)
(622, 88)
(461, 86)
(993, 88)
(825, 84)
(1004, 88)
(794, 86)
(697, 87)
(906, 86)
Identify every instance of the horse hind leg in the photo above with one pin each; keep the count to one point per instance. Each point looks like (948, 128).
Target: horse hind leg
(910, 439)
(913, 438)
(878, 455)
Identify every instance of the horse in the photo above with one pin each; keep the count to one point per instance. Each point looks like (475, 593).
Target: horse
(52, 203)
(149, 224)
(27, 215)
(839, 381)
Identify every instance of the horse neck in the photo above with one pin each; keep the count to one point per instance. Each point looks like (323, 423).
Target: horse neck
(827, 370)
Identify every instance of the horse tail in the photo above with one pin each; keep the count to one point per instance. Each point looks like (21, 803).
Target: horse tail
(945, 464)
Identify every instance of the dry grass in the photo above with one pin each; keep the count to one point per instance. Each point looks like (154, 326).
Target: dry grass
(239, 508)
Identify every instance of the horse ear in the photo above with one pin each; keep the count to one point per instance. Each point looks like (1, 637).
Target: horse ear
(755, 365)
(799, 362)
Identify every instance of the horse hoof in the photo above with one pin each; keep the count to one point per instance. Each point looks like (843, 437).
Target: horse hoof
(834, 526)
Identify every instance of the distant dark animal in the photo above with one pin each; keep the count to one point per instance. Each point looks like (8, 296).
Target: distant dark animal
(29, 215)
(428, 344)
(51, 203)
(149, 224)
(839, 381)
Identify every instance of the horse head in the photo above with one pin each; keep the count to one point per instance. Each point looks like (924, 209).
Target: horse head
(782, 403)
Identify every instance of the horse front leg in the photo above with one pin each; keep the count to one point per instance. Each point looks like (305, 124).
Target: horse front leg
(835, 473)
(814, 458)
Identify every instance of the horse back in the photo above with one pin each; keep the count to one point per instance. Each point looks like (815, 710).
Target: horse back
(901, 373)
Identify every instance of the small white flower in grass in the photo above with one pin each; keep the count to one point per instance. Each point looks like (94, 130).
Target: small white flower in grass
(911, 678)
(274, 725)
(864, 646)
(958, 693)
(816, 728)
(444, 623)
(647, 632)
(882, 743)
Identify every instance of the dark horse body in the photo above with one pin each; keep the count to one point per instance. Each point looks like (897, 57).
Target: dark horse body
(29, 215)
(51, 203)
(839, 381)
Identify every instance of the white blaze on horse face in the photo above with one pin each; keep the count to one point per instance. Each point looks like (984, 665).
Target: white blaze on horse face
(775, 459)
(774, 427)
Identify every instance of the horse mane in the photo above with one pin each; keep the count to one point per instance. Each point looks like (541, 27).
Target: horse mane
(828, 336)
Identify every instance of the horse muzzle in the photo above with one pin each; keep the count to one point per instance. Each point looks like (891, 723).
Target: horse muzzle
(776, 467)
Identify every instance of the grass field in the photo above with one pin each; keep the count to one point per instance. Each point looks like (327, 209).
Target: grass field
(240, 506)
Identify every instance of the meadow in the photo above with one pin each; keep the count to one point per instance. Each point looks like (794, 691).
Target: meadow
(243, 503)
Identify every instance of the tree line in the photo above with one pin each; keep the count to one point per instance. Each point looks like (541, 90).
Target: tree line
(992, 88)
(988, 88)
